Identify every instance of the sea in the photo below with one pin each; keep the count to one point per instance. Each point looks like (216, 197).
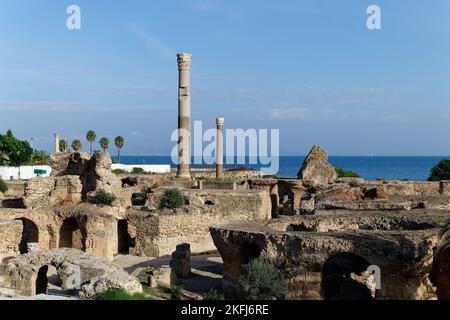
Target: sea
(415, 168)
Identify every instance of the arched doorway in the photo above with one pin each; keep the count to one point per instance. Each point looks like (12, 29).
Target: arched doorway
(337, 283)
(124, 240)
(42, 281)
(71, 235)
(30, 233)
(443, 275)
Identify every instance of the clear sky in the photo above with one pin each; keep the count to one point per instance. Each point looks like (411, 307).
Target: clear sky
(308, 67)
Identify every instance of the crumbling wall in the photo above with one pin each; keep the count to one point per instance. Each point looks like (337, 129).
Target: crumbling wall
(10, 237)
(98, 229)
(405, 257)
(41, 192)
(98, 275)
(159, 232)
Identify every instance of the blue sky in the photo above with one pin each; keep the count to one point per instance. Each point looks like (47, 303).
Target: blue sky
(310, 68)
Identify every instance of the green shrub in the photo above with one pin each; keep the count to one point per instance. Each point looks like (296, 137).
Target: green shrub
(441, 171)
(346, 174)
(354, 184)
(137, 170)
(260, 280)
(172, 198)
(103, 197)
(118, 171)
(175, 292)
(3, 186)
(120, 294)
(380, 179)
(213, 295)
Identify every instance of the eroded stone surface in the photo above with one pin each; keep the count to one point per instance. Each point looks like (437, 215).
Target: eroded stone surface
(316, 170)
(400, 243)
(97, 274)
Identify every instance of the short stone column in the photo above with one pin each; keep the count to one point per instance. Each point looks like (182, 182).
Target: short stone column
(219, 150)
(184, 115)
(181, 261)
(56, 141)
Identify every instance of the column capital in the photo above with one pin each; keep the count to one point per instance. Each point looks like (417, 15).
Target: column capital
(220, 122)
(184, 61)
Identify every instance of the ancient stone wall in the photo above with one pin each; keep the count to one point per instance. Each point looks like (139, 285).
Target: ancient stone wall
(41, 192)
(10, 237)
(85, 227)
(159, 232)
(303, 255)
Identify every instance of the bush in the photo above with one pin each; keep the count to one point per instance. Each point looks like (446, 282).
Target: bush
(120, 294)
(103, 197)
(441, 171)
(346, 174)
(137, 170)
(175, 292)
(213, 295)
(3, 186)
(354, 184)
(118, 171)
(260, 280)
(172, 198)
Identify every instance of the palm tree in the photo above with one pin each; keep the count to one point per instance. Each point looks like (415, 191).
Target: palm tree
(76, 145)
(119, 142)
(91, 136)
(104, 143)
(62, 145)
(40, 157)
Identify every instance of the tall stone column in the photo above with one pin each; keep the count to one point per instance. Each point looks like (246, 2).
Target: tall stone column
(56, 141)
(184, 115)
(219, 150)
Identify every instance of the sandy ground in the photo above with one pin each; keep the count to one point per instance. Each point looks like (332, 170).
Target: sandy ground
(206, 270)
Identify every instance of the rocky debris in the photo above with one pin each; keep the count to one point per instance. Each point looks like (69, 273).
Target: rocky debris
(114, 280)
(97, 274)
(316, 171)
(181, 261)
(164, 276)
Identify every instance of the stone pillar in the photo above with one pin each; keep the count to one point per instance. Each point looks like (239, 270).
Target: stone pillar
(181, 261)
(56, 140)
(219, 150)
(184, 115)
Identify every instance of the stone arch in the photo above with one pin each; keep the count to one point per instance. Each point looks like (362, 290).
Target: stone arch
(30, 233)
(124, 240)
(41, 285)
(72, 235)
(337, 282)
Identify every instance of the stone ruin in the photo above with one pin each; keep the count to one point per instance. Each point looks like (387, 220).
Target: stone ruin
(321, 231)
(55, 213)
(328, 234)
(76, 271)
